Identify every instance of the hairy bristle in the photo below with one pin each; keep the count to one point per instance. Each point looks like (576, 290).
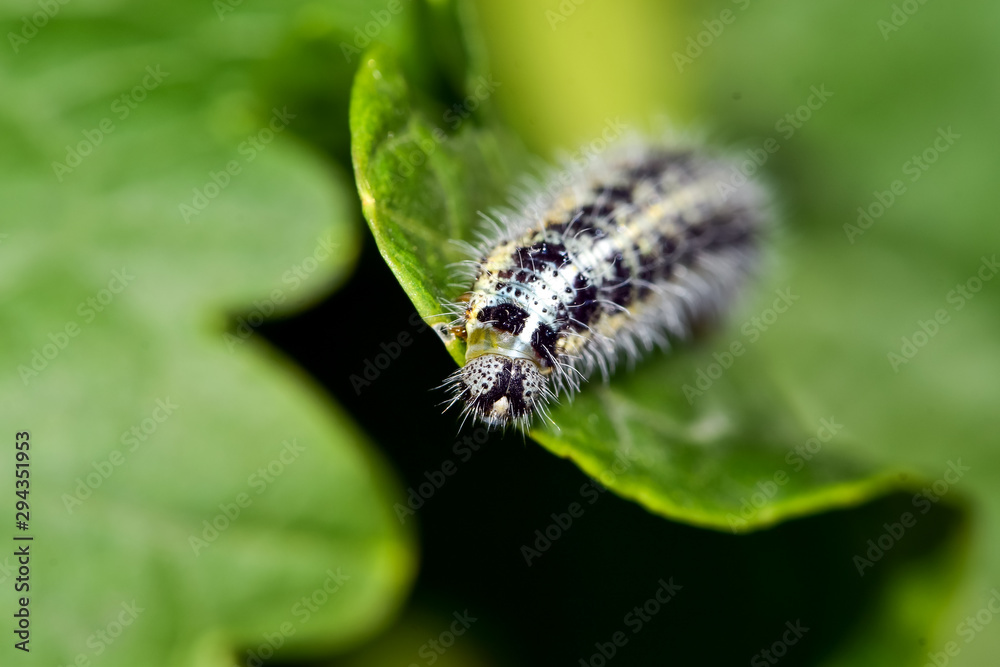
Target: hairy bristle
(600, 261)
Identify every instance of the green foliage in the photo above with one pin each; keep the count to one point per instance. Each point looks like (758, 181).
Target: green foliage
(421, 186)
(186, 482)
(173, 170)
(645, 436)
(696, 459)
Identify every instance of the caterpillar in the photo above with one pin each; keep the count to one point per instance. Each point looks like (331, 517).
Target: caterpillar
(626, 253)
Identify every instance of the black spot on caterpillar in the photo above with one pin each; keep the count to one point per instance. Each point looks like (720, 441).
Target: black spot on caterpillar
(504, 317)
(633, 249)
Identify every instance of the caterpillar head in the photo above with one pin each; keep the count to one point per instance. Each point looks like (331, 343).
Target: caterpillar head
(499, 390)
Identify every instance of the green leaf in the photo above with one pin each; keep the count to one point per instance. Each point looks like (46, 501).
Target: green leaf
(871, 292)
(726, 460)
(861, 294)
(192, 496)
(420, 183)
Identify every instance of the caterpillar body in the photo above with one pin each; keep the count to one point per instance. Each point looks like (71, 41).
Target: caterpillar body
(627, 253)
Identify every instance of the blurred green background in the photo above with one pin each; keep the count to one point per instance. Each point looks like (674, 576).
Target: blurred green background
(180, 227)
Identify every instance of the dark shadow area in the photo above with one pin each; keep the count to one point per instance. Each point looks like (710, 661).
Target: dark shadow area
(311, 76)
(737, 595)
